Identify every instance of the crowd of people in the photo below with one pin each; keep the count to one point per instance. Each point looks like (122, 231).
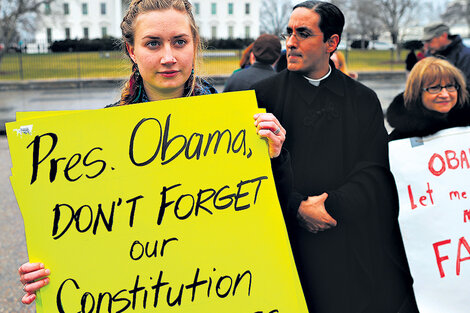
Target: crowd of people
(326, 135)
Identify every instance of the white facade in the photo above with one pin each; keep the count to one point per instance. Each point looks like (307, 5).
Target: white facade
(78, 19)
(227, 18)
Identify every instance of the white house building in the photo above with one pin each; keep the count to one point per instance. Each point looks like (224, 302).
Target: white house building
(78, 19)
(227, 18)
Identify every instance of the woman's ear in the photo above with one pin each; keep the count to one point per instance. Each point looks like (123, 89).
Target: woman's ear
(130, 51)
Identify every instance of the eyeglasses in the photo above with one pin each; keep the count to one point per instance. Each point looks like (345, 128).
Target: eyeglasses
(438, 88)
(302, 35)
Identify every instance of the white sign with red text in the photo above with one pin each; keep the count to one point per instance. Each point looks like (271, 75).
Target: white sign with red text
(433, 181)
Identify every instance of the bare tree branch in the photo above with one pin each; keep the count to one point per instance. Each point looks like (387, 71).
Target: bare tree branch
(14, 14)
(275, 16)
(457, 11)
(392, 13)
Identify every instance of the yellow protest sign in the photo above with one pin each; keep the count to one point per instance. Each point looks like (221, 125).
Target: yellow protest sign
(154, 207)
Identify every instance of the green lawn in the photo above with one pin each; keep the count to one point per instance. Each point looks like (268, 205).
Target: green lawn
(374, 60)
(115, 64)
(63, 65)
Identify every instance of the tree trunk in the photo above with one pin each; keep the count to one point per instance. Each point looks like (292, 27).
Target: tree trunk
(395, 42)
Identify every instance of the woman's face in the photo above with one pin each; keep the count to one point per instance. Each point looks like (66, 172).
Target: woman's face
(164, 52)
(441, 102)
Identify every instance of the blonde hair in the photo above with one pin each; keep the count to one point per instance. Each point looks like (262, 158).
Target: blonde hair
(136, 7)
(426, 72)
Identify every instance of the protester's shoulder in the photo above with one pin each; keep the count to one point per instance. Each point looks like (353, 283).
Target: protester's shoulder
(203, 87)
(268, 82)
(238, 73)
(396, 135)
(465, 52)
(357, 90)
(457, 47)
(460, 115)
(396, 110)
(269, 90)
(404, 122)
(115, 104)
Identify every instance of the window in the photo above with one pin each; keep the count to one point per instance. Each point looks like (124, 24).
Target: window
(230, 8)
(47, 8)
(85, 8)
(230, 32)
(85, 32)
(247, 8)
(214, 8)
(67, 33)
(247, 32)
(196, 8)
(104, 32)
(103, 8)
(49, 35)
(66, 9)
(214, 32)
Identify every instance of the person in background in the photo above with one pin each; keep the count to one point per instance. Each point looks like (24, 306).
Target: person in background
(435, 98)
(247, 58)
(281, 64)
(439, 42)
(421, 54)
(340, 63)
(410, 61)
(266, 51)
(162, 41)
(342, 212)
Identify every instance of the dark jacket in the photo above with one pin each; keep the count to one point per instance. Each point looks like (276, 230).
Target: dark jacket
(457, 54)
(338, 145)
(411, 60)
(420, 122)
(244, 79)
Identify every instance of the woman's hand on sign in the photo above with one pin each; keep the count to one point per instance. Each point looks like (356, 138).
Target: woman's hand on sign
(33, 276)
(268, 126)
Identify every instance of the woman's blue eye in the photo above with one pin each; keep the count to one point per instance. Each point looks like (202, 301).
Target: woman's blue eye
(153, 44)
(180, 42)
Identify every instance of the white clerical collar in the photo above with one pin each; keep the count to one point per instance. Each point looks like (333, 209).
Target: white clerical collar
(316, 82)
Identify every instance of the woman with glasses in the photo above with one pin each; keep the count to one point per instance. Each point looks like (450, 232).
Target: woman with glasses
(435, 98)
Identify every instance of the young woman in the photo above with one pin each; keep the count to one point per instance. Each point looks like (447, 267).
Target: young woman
(435, 98)
(162, 42)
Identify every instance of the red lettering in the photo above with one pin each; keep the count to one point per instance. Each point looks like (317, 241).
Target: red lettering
(431, 165)
(410, 193)
(422, 199)
(464, 159)
(451, 156)
(439, 259)
(463, 242)
(429, 191)
(453, 194)
(466, 216)
(458, 195)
